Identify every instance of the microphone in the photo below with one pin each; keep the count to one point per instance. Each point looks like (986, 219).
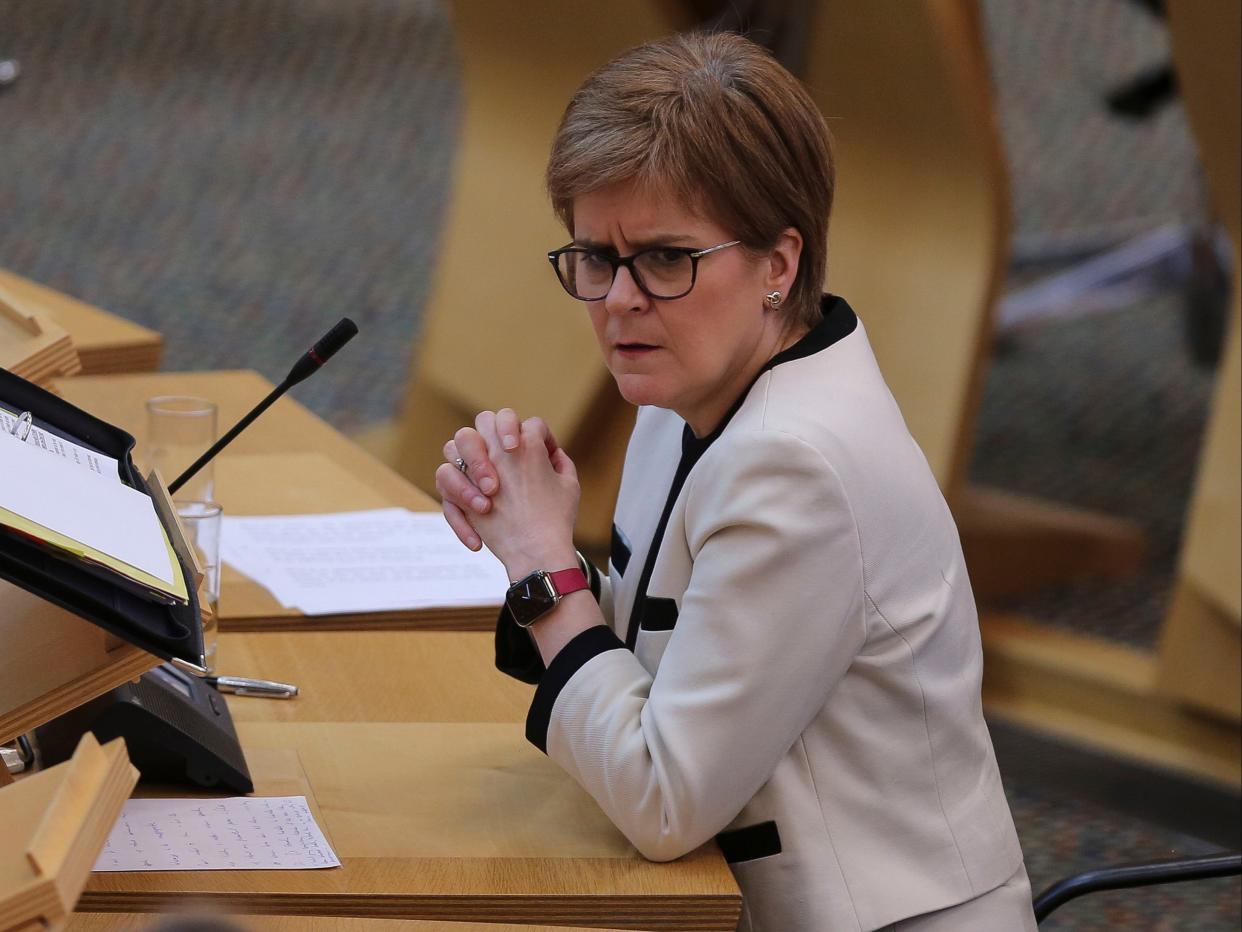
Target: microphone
(321, 352)
(310, 363)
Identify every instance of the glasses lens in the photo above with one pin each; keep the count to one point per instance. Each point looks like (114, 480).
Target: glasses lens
(586, 275)
(666, 273)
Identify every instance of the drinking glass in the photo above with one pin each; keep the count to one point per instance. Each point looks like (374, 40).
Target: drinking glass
(179, 429)
(202, 523)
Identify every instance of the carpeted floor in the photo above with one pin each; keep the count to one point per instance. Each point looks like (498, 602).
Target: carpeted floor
(240, 173)
(237, 174)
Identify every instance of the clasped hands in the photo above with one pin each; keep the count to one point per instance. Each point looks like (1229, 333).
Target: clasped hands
(518, 494)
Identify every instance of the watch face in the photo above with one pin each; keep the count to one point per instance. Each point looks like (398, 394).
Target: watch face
(530, 597)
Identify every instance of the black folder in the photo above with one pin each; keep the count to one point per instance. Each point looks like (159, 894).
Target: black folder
(172, 632)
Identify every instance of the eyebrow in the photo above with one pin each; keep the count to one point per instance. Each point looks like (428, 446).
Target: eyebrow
(659, 239)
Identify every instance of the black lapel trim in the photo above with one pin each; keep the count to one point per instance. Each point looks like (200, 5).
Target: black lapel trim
(619, 553)
(573, 656)
(750, 843)
(657, 614)
(839, 321)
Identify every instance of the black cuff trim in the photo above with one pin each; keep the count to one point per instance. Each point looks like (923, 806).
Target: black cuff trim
(573, 656)
(593, 579)
(750, 843)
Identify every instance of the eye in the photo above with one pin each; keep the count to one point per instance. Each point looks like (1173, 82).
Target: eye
(668, 256)
(593, 260)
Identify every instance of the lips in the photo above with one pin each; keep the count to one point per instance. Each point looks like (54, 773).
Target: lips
(634, 349)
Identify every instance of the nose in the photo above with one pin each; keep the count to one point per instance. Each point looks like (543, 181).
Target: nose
(625, 295)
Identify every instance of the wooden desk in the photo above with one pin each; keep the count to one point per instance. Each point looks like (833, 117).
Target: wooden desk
(426, 787)
(374, 676)
(129, 922)
(287, 462)
(105, 342)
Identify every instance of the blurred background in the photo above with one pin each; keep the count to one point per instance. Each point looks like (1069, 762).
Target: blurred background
(236, 175)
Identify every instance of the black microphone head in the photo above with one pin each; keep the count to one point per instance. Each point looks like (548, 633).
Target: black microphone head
(334, 339)
(322, 351)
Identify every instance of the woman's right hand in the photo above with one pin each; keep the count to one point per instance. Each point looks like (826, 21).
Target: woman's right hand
(470, 491)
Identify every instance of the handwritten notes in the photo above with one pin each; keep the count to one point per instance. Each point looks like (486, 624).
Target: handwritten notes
(239, 833)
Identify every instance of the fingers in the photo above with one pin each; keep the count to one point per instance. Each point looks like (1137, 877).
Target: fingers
(564, 466)
(536, 426)
(534, 431)
(455, 488)
(461, 527)
(471, 447)
(508, 428)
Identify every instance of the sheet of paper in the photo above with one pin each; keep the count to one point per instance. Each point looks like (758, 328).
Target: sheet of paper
(59, 495)
(239, 833)
(387, 559)
(87, 460)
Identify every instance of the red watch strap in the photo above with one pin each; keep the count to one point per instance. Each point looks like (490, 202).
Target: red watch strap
(570, 580)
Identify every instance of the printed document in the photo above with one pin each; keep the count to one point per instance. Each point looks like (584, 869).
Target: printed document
(388, 559)
(240, 833)
(59, 495)
(88, 460)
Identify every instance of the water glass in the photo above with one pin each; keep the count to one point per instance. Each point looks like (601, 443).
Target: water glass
(180, 428)
(202, 523)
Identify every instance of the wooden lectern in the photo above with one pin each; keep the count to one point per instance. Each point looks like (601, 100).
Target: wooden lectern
(31, 344)
(52, 661)
(56, 821)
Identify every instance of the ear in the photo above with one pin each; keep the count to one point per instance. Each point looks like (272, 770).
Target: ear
(783, 261)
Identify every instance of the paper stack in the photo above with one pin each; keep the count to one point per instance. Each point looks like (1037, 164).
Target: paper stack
(73, 502)
(362, 562)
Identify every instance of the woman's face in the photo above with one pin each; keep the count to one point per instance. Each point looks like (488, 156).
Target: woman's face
(697, 353)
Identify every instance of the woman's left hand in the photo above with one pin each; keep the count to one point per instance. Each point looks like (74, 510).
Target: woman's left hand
(530, 523)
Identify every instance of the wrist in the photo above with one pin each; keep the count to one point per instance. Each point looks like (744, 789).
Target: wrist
(551, 559)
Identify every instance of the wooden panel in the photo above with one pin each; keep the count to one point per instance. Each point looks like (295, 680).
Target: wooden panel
(498, 330)
(917, 155)
(52, 661)
(1100, 693)
(32, 345)
(1212, 548)
(1016, 545)
(289, 461)
(1200, 658)
(130, 922)
(56, 822)
(105, 342)
(374, 676)
(444, 821)
(1201, 644)
(411, 749)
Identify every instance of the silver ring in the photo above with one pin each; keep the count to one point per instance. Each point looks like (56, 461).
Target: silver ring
(460, 464)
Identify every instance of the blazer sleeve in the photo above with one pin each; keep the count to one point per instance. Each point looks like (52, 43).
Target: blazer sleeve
(771, 619)
(516, 654)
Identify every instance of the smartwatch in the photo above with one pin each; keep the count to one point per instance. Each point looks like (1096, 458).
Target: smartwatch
(533, 596)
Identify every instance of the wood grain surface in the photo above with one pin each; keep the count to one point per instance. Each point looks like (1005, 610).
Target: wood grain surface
(137, 922)
(105, 342)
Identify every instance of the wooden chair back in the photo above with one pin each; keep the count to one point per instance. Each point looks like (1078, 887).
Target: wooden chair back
(920, 226)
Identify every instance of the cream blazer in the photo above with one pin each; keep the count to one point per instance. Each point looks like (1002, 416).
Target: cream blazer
(792, 663)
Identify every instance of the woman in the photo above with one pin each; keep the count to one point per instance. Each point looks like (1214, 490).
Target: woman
(784, 654)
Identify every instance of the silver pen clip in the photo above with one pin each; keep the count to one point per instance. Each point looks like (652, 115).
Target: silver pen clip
(245, 686)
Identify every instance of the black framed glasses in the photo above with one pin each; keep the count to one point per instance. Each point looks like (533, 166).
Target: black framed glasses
(661, 272)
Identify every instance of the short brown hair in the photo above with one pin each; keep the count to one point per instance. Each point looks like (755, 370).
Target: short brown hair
(715, 120)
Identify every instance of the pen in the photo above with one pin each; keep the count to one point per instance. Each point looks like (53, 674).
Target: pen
(245, 686)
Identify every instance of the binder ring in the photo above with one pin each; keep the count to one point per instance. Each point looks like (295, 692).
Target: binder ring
(24, 420)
